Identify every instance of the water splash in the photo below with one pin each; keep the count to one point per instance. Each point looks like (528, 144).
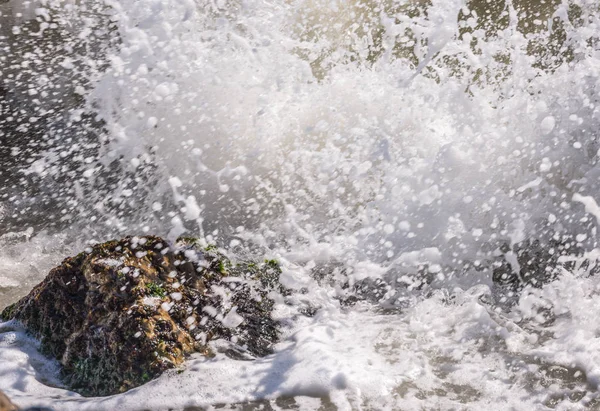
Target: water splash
(379, 149)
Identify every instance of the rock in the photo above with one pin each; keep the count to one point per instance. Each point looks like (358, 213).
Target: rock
(6, 404)
(531, 263)
(121, 313)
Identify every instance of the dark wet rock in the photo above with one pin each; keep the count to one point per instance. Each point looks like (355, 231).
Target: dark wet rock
(531, 262)
(6, 404)
(369, 289)
(124, 311)
(37, 123)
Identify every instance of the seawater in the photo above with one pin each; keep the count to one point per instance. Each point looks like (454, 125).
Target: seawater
(389, 151)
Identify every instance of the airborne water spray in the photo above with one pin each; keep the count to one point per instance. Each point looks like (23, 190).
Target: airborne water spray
(416, 151)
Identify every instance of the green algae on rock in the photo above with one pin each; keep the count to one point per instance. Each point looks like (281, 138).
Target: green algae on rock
(124, 311)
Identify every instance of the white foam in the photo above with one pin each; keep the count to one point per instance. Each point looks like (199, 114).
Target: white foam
(435, 353)
(271, 122)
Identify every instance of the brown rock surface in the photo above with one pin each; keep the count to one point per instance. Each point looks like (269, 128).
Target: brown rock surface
(5, 404)
(123, 312)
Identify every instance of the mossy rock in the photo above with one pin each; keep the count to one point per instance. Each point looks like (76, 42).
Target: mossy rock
(124, 312)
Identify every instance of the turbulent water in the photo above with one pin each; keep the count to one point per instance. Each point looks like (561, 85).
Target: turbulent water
(426, 172)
